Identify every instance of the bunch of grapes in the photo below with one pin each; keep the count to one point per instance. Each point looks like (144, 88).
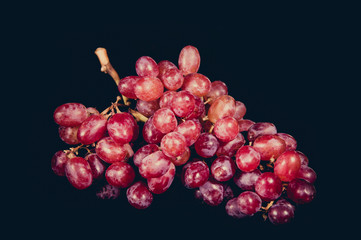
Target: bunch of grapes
(171, 119)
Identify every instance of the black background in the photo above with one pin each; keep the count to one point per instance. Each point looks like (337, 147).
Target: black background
(280, 68)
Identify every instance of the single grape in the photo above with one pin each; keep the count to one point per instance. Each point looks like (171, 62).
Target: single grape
(230, 148)
(247, 158)
(226, 129)
(150, 133)
(240, 110)
(189, 60)
(244, 124)
(154, 165)
(58, 162)
(233, 209)
(92, 111)
(223, 106)
(143, 152)
(249, 202)
(190, 129)
(260, 129)
(146, 67)
(223, 168)
(301, 191)
(283, 201)
(147, 108)
(166, 99)
(78, 172)
(291, 143)
(121, 127)
(198, 84)
(69, 134)
(218, 88)
(268, 186)
(280, 214)
(172, 79)
(149, 88)
(212, 192)
(96, 165)
(173, 144)
(164, 66)
(303, 157)
(120, 174)
(108, 192)
(206, 145)
(287, 166)
(247, 180)
(269, 146)
(164, 120)
(110, 151)
(139, 196)
(127, 85)
(307, 173)
(199, 109)
(92, 129)
(182, 159)
(70, 114)
(183, 103)
(161, 184)
(195, 174)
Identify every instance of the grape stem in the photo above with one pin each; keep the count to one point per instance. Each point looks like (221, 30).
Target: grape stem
(106, 66)
(138, 116)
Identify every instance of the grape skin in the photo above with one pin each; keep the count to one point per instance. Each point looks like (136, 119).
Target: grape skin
(78, 172)
(206, 145)
(189, 60)
(139, 196)
(70, 114)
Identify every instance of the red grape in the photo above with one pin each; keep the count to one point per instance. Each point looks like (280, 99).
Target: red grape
(150, 133)
(161, 184)
(223, 106)
(92, 111)
(307, 173)
(301, 191)
(166, 99)
(149, 88)
(121, 127)
(70, 114)
(164, 66)
(164, 120)
(96, 165)
(78, 172)
(247, 180)
(280, 214)
(69, 134)
(223, 168)
(226, 129)
(199, 109)
(139, 196)
(172, 79)
(291, 143)
(92, 129)
(190, 130)
(233, 209)
(173, 144)
(120, 174)
(244, 124)
(127, 85)
(110, 151)
(182, 159)
(287, 166)
(247, 158)
(143, 152)
(240, 110)
(147, 108)
(196, 83)
(108, 192)
(212, 192)
(218, 88)
(230, 148)
(206, 145)
(260, 129)
(268, 186)
(195, 174)
(58, 163)
(146, 67)
(189, 60)
(183, 103)
(249, 202)
(269, 146)
(303, 157)
(154, 165)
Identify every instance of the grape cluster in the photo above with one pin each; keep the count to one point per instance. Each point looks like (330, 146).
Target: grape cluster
(190, 125)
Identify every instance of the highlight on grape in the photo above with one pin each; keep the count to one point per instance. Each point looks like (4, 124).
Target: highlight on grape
(170, 119)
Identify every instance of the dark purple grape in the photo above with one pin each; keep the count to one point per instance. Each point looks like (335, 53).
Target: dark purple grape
(301, 191)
